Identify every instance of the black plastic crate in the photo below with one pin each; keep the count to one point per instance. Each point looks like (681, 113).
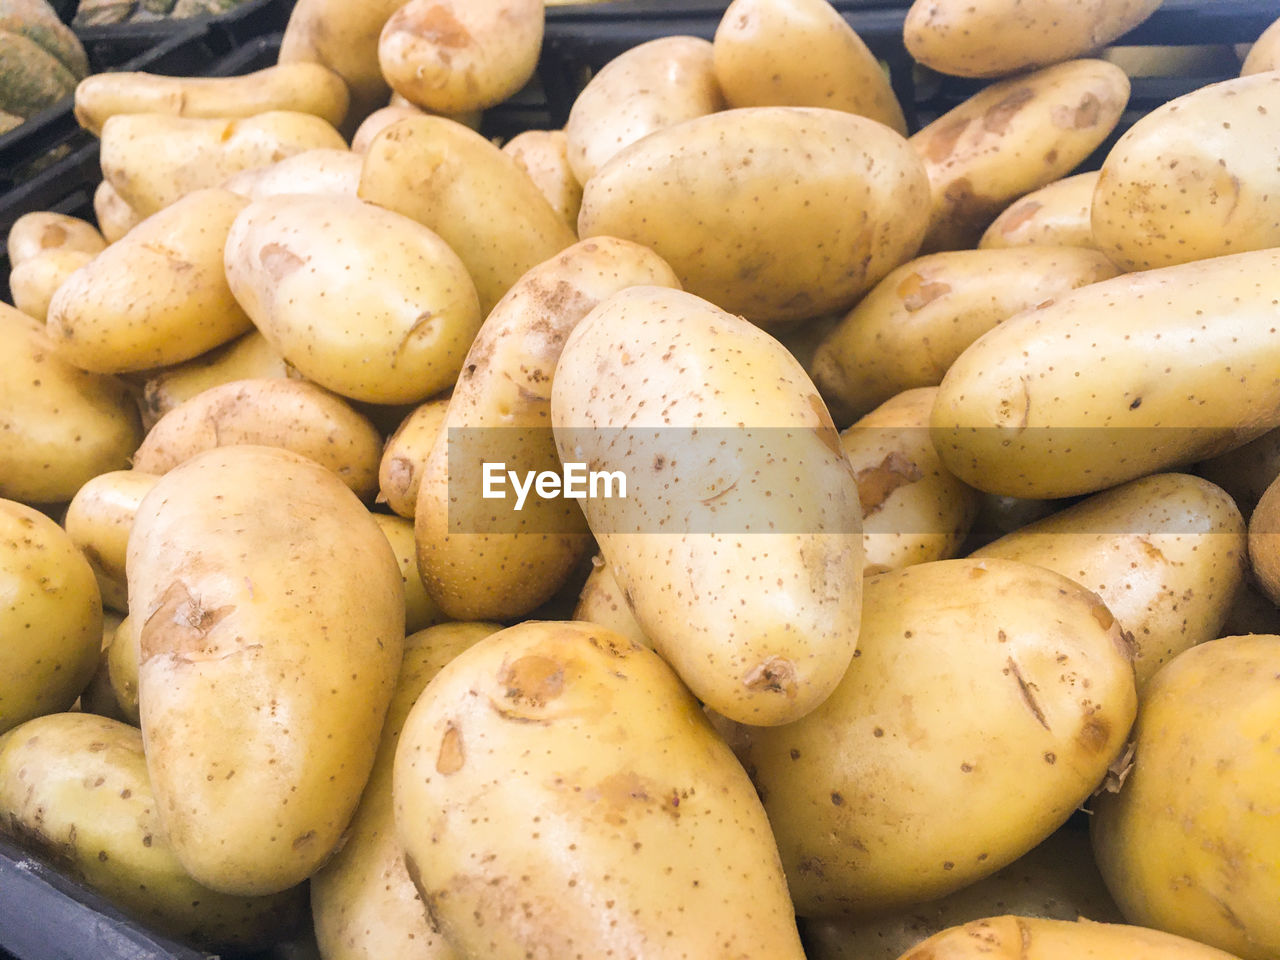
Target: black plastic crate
(230, 29)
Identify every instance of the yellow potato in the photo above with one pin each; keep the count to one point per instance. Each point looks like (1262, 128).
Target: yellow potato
(800, 53)
(34, 234)
(291, 414)
(378, 121)
(122, 669)
(1011, 138)
(747, 578)
(271, 619)
(312, 171)
(987, 701)
(406, 453)
(910, 329)
(1166, 553)
(603, 603)
(650, 87)
(61, 425)
(451, 56)
(1117, 380)
(98, 697)
(364, 904)
(1245, 473)
(474, 196)
(1264, 542)
(152, 159)
(158, 296)
(420, 611)
(544, 156)
(301, 87)
(98, 521)
(50, 619)
(115, 216)
(74, 787)
(828, 204)
(1190, 844)
(1264, 55)
(1198, 177)
(627, 825)
(35, 280)
(1057, 215)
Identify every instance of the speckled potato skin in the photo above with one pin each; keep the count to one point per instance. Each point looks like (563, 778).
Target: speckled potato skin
(74, 788)
(34, 234)
(1166, 553)
(760, 641)
(405, 455)
(50, 617)
(1190, 843)
(909, 330)
(122, 669)
(800, 53)
(1110, 382)
(451, 56)
(628, 829)
(322, 170)
(986, 702)
(994, 38)
(157, 296)
(913, 509)
(601, 602)
(115, 216)
(98, 697)
(380, 310)
(271, 627)
(478, 199)
(1264, 55)
(59, 426)
(98, 521)
(1013, 137)
(378, 121)
(775, 213)
(544, 156)
(506, 390)
(152, 159)
(34, 281)
(291, 414)
(420, 611)
(1264, 542)
(1198, 177)
(364, 904)
(650, 87)
(1057, 215)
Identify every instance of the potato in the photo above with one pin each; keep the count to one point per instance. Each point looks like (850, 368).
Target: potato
(627, 825)
(776, 213)
(364, 904)
(1264, 55)
(1117, 380)
(406, 453)
(378, 121)
(1011, 138)
(51, 618)
(74, 788)
(474, 196)
(1166, 553)
(291, 414)
(59, 426)
(800, 53)
(697, 395)
(451, 56)
(910, 329)
(301, 87)
(650, 87)
(601, 602)
(98, 521)
(158, 296)
(987, 700)
(152, 159)
(420, 611)
(544, 156)
(312, 171)
(35, 280)
(1190, 844)
(34, 234)
(98, 697)
(913, 509)
(998, 37)
(1264, 542)
(1198, 177)
(271, 619)
(485, 562)
(1057, 215)
(1189, 60)
(122, 669)
(115, 216)
(1245, 472)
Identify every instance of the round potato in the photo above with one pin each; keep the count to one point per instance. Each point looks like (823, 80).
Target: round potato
(35, 280)
(1057, 215)
(602, 602)
(420, 611)
(115, 216)
(405, 455)
(1264, 55)
(98, 521)
(544, 156)
(312, 171)
(378, 121)
(122, 669)
(33, 234)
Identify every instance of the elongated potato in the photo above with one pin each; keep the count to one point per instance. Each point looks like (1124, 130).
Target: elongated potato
(800, 53)
(759, 641)
(122, 669)
(629, 826)
(1166, 553)
(897, 789)
(1011, 138)
(98, 697)
(602, 602)
(1114, 381)
(405, 455)
(35, 280)
(650, 87)
(158, 296)
(1057, 215)
(271, 619)
(300, 87)
(420, 611)
(1264, 55)
(98, 521)
(544, 156)
(33, 234)
(291, 414)
(474, 196)
(910, 329)
(312, 171)
(827, 205)
(74, 787)
(115, 216)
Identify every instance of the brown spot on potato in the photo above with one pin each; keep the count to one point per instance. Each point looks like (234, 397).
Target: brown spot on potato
(180, 625)
(1094, 735)
(1083, 116)
(916, 292)
(876, 484)
(53, 235)
(302, 840)
(451, 756)
(436, 25)
(944, 139)
(278, 261)
(1028, 694)
(533, 680)
(997, 118)
(775, 675)
(1019, 216)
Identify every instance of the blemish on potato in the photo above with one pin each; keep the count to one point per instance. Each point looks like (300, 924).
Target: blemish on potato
(775, 675)
(1027, 692)
(876, 484)
(916, 292)
(451, 756)
(997, 119)
(533, 680)
(1094, 735)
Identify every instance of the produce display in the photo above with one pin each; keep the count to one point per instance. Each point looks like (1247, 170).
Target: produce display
(748, 523)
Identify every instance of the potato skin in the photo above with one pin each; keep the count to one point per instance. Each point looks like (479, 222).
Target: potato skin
(602, 602)
(1264, 55)
(629, 825)
(896, 790)
(34, 281)
(544, 156)
(1059, 214)
(1264, 542)
(1190, 844)
(33, 234)
(115, 216)
(321, 171)
(420, 611)
(98, 521)
(271, 617)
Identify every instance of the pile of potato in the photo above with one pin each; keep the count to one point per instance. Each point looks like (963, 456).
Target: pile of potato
(952, 503)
